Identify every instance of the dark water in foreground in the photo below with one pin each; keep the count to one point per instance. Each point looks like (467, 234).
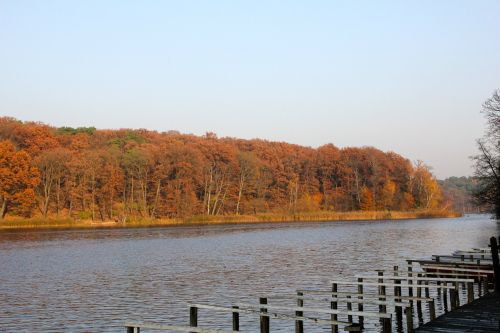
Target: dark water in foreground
(94, 280)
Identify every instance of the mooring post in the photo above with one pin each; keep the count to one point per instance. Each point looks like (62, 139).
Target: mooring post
(496, 264)
(361, 319)
(386, 325)
(445, 299)
(264, 320)
(349, 308)
(419, 303)
(470, 292)
(397, 293)
(432, 305)
(236, 319)
(386, 322)
(381, 292)
(432, 309)
(453, 298)
(333, 306)
(299, 324)
(193, 316)
(410, 282)
(133, 329)
(409, 319)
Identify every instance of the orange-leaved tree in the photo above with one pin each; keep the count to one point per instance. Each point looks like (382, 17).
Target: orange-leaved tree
(18, 179)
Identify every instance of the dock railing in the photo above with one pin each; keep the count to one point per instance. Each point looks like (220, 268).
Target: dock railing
(390, 297)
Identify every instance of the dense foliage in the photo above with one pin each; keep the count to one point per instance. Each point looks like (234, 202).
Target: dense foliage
(459, 192)
(119, 174)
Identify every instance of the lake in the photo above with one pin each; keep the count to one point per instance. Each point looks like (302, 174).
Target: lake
(95, 280)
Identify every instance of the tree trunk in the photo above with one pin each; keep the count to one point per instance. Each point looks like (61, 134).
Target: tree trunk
(3, 209)
(497, 201)
(240, 192)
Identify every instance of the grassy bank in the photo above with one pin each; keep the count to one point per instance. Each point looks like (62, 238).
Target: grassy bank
(39, 223)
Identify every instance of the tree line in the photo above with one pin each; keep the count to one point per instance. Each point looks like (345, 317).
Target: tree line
(84, 173)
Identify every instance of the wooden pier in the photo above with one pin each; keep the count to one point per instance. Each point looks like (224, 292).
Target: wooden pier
(446, 293)
(480, 316)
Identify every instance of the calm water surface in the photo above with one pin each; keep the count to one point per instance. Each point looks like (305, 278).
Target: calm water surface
(95, 280)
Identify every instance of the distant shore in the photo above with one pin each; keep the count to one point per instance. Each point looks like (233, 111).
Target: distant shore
(54, 223)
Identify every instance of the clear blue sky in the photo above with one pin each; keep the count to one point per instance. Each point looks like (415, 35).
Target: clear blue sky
(407, 76)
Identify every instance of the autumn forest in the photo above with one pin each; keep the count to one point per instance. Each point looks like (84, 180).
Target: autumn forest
(119, 175)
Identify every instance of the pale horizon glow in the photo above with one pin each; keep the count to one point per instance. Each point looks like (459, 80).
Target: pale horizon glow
(403, 77)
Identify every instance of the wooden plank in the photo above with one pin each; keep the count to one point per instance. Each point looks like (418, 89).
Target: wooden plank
(480, 316)
(424, 273)
(461, 258)
(388, 284)
(424, 262)
(457, 269)
(238, 309)
(316, 310)
(175, 328)
(415, 278)
(325, 292)
(391, 301)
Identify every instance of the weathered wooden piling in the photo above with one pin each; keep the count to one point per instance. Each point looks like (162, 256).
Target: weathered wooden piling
(333, 306)
(131, 329)
(397, 293)
(299, 324)
(193, 316)
(360, 304)
(236, 319)
(496, 264)
(409, 319)
(264, 320)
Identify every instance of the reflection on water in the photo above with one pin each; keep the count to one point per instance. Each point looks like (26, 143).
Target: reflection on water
(94, 280)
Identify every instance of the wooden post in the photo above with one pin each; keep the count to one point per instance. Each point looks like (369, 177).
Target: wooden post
(333, 306)
(381, 292)
(409, 320)
(420, 315)
(399, 309)
(445, 299)
(496, 264)
(299, 324)
(386, 325)
(432, 309)
(470, 292)
(349, 308)
(264, 320)
(236, 319)
(361, 319)
(432, 305)
(453, 299)
(386, 322)
(410, 282)
(132, 329)
(193, 316)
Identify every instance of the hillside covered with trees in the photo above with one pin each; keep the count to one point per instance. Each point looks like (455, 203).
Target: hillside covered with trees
(118, 175)
(459, 192)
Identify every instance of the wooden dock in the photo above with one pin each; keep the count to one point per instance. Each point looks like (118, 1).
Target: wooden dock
(446, 293)
(480, 316)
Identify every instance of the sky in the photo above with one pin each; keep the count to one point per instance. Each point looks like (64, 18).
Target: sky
(403, 76)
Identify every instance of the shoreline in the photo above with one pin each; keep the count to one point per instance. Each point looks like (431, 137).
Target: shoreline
(69, 224)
